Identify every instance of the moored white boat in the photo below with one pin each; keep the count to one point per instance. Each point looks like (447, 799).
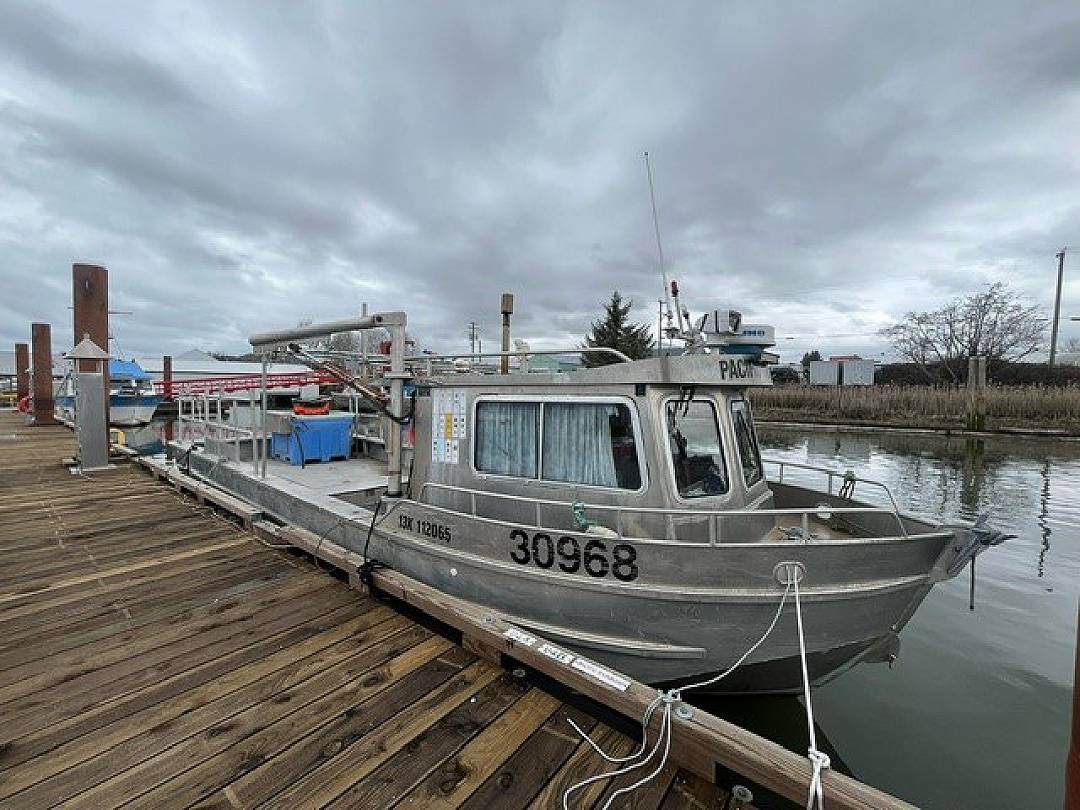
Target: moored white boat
(132, 398)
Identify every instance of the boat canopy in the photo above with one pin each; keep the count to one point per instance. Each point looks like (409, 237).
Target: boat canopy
(126, 370)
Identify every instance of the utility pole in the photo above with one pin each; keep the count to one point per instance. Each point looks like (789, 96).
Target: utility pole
(1057, 308)
(506, 309)
(474, 329)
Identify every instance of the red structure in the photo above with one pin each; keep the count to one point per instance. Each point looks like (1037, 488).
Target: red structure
(240, 382)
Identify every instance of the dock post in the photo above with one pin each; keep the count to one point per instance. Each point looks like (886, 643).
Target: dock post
(22, 371)
(507, 309)
(41, 342)
(976, 388)
(90, 301)
(1072, 762)
(166, 377)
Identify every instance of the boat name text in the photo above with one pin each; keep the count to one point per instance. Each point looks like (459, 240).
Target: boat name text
(735, 369)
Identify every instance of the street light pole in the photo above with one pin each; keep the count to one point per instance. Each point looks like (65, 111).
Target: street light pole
(1057, 308)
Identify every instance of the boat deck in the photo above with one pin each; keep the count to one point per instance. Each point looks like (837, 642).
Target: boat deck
(155, 655)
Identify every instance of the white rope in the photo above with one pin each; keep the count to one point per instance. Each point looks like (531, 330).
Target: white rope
(819, 760)
(667, 700)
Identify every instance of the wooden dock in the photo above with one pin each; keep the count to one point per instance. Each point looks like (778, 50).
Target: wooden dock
(154, 654)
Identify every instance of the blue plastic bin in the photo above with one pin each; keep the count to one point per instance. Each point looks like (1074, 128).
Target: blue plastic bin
(313, 438)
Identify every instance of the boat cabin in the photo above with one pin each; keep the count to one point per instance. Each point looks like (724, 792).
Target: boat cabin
(655, 434)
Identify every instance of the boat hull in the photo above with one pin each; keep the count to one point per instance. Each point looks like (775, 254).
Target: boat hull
(123, 410)
(665, 634)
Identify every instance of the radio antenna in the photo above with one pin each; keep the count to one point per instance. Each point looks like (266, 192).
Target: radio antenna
(660, 246)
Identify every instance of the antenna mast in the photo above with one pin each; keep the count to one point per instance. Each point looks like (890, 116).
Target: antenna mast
(660, 246)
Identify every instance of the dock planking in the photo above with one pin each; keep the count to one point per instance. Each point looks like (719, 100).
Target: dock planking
(153, 654)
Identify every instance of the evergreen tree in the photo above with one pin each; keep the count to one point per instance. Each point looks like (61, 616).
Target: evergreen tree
(810, 357)
(616, 331)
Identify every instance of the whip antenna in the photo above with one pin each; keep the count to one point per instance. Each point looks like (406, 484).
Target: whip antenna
(659, 245)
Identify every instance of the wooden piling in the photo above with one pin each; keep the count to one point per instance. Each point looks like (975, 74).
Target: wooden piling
(976, 393)
(41, 342)
(90, 303)
(22, 370)
(166, 376)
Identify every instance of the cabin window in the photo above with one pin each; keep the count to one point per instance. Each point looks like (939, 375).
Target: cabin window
(749, 453)
(590, 443)
(508, 438)
(587, 443)
(696, 452)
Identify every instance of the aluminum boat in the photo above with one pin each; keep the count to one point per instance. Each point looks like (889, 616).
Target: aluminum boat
(625, 513)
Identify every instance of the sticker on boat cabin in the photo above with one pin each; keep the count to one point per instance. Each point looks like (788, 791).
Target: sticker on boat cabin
(520, 636)
(447, 425)
(558, 653)
(602, 674)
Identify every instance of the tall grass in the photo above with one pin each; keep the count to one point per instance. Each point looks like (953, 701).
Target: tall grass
(1013, 406)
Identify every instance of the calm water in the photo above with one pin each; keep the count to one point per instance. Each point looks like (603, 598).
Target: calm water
(975, 713)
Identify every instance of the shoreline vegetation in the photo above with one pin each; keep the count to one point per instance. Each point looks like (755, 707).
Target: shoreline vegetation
(1048, 410)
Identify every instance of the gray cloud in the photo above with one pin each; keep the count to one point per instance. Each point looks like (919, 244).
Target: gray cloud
(240, 166)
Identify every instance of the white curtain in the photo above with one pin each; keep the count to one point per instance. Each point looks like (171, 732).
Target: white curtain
(577, 443)
(507, 438)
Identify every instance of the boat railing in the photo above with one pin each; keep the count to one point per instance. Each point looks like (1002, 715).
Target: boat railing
(201, 416)
(845, 477)
(670, 516)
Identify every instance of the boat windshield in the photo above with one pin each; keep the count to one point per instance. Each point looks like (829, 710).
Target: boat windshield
(749, 453)
(696, 452)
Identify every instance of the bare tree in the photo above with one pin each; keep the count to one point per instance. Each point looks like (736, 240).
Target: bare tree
(345, 341)
(996, 323)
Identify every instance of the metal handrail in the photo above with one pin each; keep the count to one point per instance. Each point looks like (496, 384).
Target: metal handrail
(210, 419)
(846, 476)
(712, 514)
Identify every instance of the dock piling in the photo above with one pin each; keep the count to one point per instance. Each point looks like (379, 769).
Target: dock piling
(41, 343)
(22, 370)
(90, 304)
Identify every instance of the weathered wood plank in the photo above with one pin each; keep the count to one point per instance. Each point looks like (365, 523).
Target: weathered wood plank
(583, 764)
(200, 683)
(525, 773)
(456, 779)
(122, 745)
(326, 782)
(36, 713)
(247, 739)
(412, 764)
(90, 664)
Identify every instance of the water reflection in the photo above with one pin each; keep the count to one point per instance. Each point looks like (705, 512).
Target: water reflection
(919, 731)
(1044, 513)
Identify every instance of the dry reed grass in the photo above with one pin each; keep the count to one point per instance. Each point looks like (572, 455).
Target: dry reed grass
(1014, 406)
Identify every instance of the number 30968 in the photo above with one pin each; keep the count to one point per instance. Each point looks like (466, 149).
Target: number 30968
(571, 555)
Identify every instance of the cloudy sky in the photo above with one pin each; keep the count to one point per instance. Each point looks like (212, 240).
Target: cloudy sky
(821, 166)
